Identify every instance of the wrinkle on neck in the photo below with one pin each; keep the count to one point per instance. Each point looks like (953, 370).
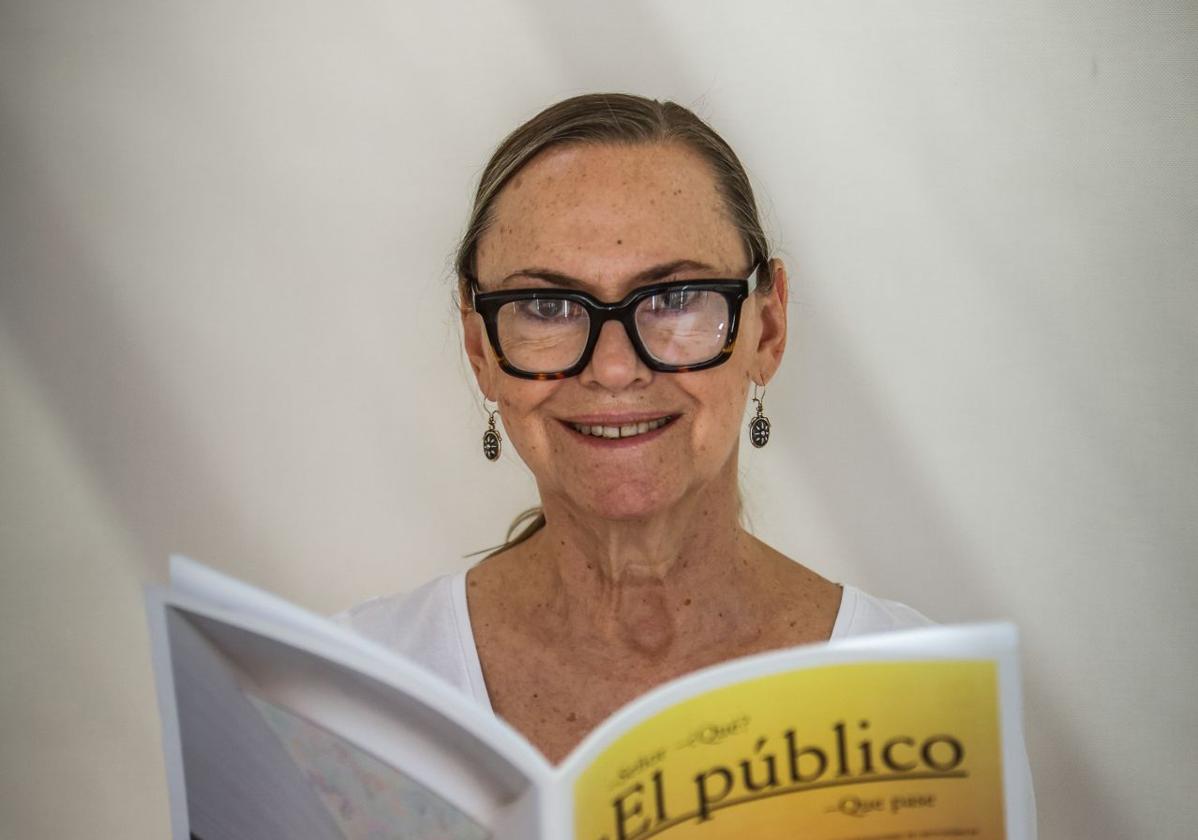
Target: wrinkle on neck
(648, 590)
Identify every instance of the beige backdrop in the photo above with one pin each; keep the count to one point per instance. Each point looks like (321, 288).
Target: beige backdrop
(225, 330)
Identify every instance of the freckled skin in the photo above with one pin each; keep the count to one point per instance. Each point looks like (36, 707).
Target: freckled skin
(603, 215)
(642, 572)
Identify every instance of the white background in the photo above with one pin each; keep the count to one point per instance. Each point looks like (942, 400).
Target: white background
(226, 330)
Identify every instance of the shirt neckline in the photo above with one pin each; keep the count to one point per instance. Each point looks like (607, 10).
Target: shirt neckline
(849, 599)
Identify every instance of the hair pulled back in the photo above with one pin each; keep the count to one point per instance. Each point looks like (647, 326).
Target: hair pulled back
(614, 118)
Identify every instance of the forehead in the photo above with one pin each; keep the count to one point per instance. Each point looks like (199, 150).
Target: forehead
(606, 211)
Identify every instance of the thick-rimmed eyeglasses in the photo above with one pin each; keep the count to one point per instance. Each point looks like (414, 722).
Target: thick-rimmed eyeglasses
(675, 327)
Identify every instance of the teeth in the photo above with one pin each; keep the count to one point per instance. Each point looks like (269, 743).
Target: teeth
(627, 430)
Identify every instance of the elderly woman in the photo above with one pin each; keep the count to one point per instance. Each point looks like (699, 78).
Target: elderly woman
(620, 307)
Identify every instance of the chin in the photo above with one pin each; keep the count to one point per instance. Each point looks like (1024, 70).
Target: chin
(629, 501)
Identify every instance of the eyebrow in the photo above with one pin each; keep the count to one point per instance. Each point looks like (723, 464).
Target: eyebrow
(652, 273)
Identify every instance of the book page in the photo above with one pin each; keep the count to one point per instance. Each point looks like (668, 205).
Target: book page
(331, 675)
(859, 751)
(285, 730)
(367, 799)
(240, 782)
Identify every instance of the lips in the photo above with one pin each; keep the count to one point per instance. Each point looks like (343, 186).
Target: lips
(622, 430)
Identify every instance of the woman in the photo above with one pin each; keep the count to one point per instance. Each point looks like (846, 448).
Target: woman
(637, 569)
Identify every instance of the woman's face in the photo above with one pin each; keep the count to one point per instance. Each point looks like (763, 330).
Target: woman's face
(604, 215)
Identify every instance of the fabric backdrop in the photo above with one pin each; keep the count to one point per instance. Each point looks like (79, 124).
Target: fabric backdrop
(226, 330)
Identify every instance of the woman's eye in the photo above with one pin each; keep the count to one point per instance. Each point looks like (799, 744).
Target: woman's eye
(675, 300)
(550, 309)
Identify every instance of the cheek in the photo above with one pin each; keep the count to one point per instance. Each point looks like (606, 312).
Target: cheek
(717, 425)
(519, 403)
(730, 413)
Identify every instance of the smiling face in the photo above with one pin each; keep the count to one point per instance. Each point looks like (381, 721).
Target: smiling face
(619, 440)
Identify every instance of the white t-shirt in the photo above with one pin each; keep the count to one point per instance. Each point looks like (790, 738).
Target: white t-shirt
(431, 627)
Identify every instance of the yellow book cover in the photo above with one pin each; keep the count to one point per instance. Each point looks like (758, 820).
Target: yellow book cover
(858, 751)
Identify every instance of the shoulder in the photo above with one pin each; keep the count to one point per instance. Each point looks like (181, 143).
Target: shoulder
(429, 625)
(397, 620)
(862, 613)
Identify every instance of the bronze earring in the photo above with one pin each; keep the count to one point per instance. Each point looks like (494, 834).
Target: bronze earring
(492, 442)
(759, 426)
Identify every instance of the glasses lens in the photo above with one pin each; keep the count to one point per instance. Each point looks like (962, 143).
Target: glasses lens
(683, 326)
(544, 335)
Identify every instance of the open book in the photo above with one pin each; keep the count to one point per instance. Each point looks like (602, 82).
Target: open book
(282, 725)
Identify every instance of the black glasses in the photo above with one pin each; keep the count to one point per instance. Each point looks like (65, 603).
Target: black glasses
(675, 327)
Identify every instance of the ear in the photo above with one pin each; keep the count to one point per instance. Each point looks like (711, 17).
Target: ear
(771, 341)
(478, 351)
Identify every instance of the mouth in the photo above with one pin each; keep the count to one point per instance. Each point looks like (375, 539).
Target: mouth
(621, 430)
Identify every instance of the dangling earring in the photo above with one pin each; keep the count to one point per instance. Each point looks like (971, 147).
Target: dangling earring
(759, 426)
(491, 439)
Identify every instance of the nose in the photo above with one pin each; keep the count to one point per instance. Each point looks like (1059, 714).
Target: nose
(615, 364)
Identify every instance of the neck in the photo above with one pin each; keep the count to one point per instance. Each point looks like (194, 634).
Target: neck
(672, 586)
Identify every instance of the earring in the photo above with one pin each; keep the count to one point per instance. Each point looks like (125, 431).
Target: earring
(759, 426)
(491, 438)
